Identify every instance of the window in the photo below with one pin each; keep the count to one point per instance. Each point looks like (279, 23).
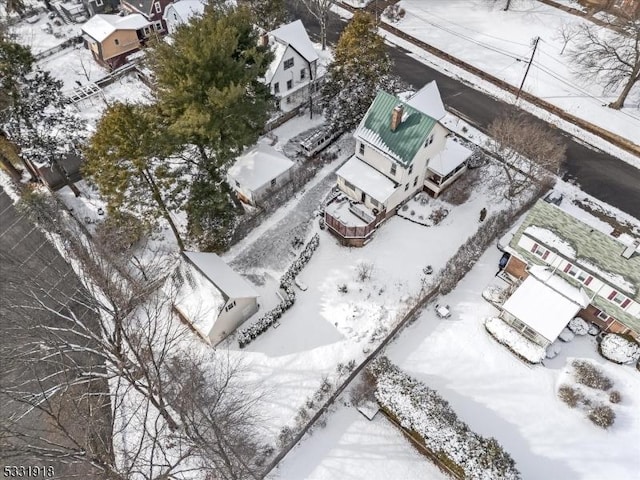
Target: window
(361, 148)
(394, 168)
(273, 182)
(289, 84)
(410, 169)
(374, 202)
(429, 140)
(288, 63)
(276, 87)
(230, 306)
(349, 185)
(303, 74)
(158, 26)
(158, 7)
(406, 187)
(571, 270)
(415, 181)
(539, 251)
(99, 3)
(116, 41)
(601, 315)
(617, 297)
(363, 197)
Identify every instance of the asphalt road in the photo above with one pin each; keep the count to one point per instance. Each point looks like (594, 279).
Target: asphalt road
(597, 173)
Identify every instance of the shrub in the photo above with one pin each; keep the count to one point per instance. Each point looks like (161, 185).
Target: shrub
(578, 326)
(591, 376)
(602, 416)
(343, 288)
(364, 270)
(615, 397)
(619, 349)
(570, 396)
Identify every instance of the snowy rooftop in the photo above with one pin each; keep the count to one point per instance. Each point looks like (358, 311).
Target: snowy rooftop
(367, 179)
(546, 276)
(541, 308)
(197, 299)
(186, 9)
(278, 50)
(340, 211)
(101, 26)
(428, 101)
(221, 275)
(259, 166)
(551, 239)
(294, 34)
(449, 158)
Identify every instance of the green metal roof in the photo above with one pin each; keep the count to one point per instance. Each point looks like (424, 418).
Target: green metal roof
(593, 249)
(408, 138)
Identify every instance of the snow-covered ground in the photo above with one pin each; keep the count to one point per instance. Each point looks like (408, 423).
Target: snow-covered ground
(499, 42)
(352, 447)
(35, 36)
(500, 396)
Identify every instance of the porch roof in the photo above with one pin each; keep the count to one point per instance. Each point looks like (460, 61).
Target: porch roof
(449, 158)
(367, 179)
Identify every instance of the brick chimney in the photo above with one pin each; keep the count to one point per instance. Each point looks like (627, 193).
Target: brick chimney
(396, 117)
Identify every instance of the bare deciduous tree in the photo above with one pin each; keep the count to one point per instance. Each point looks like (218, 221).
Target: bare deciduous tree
(109, 360)
(610, 55)
(529, 152)
(319, 9)
(566, 33)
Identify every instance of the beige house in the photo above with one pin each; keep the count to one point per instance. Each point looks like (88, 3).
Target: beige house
(111, 38)
(212, 298)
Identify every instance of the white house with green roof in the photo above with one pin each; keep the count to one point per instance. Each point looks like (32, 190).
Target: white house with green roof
(401, 148)
(607, 269)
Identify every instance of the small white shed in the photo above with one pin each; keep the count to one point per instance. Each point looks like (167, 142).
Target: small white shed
(258, 172)
(212, 297)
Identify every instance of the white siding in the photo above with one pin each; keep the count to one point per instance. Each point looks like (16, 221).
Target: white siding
(172, 19)
(282, 75)
(227, 322)
(380, 162)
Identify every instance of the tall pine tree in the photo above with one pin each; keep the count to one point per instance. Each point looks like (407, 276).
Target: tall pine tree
(360, 68)
(209, 91)
(127, 160)
(269, 14)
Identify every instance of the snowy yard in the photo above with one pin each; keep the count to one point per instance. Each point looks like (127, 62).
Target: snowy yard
(500, 396)
(499, 42)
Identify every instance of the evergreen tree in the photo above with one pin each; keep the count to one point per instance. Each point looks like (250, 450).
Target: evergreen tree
(127, 160)
(210, 94)
(360, 68)
(269, 14)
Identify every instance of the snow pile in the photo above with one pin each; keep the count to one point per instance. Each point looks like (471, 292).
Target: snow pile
(423, 411)
(503, 333)
(618, 349)
(247, 335)
(611, 277)
(578, 326)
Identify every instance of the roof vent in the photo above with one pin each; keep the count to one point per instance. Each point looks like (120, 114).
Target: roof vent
(396, 117)
(628, 252)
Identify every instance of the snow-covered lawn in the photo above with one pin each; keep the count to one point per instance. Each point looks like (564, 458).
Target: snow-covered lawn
(33, 34)
(498, 395)
(499, 42)
(73, 66)
(352, 447)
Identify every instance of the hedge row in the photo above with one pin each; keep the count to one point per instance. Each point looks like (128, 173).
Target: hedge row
(422, 411)
(247, 335)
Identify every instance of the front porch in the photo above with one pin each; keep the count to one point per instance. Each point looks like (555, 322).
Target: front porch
(445, 167)
(351, 222)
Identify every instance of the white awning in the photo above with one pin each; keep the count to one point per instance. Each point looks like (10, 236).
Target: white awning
(367, 179)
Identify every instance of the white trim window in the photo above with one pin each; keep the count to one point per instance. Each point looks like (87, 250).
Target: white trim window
(230, 305)
(99, 3)
(158, 7)
(288, 63)
(540, 251)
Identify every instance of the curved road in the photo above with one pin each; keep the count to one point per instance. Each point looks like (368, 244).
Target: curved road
(598, 173)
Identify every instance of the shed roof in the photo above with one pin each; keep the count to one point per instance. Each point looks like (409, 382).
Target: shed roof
(449, 158)
(403, 143)
(367, 179)
(259, 166)
(221, 275)
(100, 26)
(541, 308)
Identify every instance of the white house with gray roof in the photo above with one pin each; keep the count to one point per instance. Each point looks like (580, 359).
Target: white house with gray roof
(292, 75)
(212, 298)
(604, 267)
(401, 149)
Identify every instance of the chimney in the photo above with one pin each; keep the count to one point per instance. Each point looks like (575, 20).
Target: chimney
(264, 39)
(396, 117)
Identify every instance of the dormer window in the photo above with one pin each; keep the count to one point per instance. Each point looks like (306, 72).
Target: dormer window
(288, 63)
(394, 169)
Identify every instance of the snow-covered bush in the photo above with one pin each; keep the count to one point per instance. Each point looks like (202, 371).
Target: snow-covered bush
(618, 349)
(615, 397)
(578, 326)
(246, 335)
(553, 350)
(510, 337)
(571, 396)
(566, 335)
(421, 411)
(590, 375)
(393, 13)
(602, 416)
(364, 270)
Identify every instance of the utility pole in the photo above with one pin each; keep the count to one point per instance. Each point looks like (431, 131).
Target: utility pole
(535, 46)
